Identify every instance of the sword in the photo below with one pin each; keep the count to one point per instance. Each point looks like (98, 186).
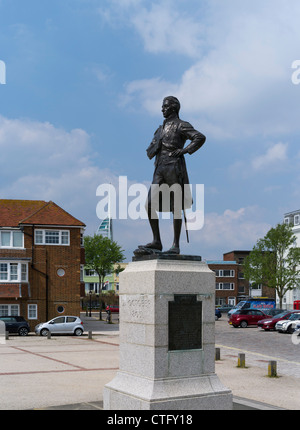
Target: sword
(185, 224)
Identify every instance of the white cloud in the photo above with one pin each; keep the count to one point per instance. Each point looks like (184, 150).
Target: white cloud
(239, 229)
(240, 83)
(55, 165)
(275, 155)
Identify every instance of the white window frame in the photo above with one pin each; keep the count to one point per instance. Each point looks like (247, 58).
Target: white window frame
(11, 241)
(32, 309)
(220, 273)
(43, 233)
(8, 311)
(220, 286)
(297, 219)
(20, 272)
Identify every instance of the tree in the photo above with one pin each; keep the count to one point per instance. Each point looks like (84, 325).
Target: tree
(275, 261)
(100, 255)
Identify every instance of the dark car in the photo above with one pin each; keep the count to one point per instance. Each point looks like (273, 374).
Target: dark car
(273, 312)
(16, 324)
(112, 308)
(245, 317)
(218, 314)
(269, 323)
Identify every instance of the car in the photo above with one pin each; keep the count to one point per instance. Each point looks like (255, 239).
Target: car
(288, 325)
(225, 308)
(61, 325)
(274, 312)
(218, 314)
(269, 323)
(244, 317)
(16, 324)
(112, 308)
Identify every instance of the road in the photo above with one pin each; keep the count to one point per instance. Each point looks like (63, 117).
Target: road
(259, 346)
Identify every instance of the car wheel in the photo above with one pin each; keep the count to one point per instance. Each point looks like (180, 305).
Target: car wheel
(23, 331)
(78, 332)
(290, 329)
(244, 324)
(44, 332)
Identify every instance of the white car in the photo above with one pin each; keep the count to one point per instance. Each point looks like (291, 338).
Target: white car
(61, 325)
(288, 326)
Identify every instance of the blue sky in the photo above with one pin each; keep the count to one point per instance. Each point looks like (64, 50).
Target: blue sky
(85, 81)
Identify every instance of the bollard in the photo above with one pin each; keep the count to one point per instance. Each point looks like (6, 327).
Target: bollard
(241, 360)
(272, 369)
(49, 335)
(218, 354)
(6, 335)
(90, 334)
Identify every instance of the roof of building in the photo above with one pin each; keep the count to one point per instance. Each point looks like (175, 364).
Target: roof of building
(220, 262)
(14, 213)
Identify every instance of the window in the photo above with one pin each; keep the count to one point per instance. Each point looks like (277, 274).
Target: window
(296, 219)
(225, 286)
(225, 273)
(11, 239)
(9, 310)
(13, 272)
(52, 237)
(32, 312)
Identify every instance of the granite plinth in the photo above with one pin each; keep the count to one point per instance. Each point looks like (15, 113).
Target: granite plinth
(153, 375)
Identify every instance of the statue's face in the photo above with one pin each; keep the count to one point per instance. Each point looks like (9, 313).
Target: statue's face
(167, 108)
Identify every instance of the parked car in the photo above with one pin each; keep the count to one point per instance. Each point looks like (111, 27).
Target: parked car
(288, 325)
(225, 308)
(274, 312)
(112, 308)
(16, 324)
(269, 323)
(244, 317)
(61, 325)
(218, 314)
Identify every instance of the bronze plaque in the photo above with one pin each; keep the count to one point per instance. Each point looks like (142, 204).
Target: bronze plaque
(185, 323)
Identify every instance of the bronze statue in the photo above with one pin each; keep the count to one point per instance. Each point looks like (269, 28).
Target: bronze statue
(170, 169)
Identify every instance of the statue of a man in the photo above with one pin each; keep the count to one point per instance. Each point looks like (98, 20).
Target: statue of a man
(170, 169)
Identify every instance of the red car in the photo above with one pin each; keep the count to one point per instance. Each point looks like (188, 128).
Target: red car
(245, 317)
(112, 308)
(269, 323)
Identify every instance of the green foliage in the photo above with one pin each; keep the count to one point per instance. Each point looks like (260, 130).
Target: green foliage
(275, 260)
(100, 255)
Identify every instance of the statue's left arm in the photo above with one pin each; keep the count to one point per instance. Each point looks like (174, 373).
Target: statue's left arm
(197, 139)
(189, 133)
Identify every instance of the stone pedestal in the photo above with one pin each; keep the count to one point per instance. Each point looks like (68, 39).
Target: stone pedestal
(167, 346)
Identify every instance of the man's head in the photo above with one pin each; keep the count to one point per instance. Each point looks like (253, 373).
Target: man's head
(170, 105)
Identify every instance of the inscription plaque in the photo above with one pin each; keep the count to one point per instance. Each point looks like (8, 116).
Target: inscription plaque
(185, 323)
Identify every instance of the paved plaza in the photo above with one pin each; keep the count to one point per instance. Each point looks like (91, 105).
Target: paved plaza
(67, 372)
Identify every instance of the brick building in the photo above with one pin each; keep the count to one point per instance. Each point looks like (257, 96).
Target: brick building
(231, 286)
(41, 256)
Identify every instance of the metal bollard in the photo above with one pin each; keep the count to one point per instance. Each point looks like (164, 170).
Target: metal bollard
(241, 360)
(49, 335)
(218, 354)
(90, 335)
(6, 335)
(272, 369)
